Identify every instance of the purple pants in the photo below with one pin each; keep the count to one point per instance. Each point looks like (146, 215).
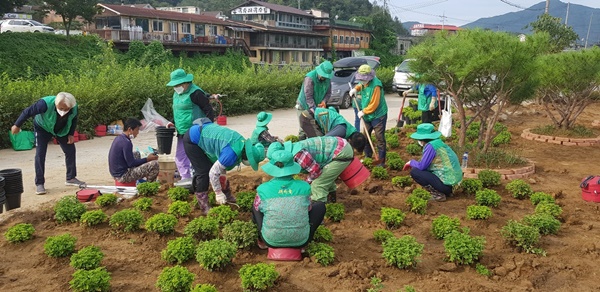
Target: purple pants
(181, 160)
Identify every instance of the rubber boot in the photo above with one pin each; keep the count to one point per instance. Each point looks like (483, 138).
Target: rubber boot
(203, 202)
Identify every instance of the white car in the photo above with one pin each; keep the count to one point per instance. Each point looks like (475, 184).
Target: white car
(24, 25)
(401, 81)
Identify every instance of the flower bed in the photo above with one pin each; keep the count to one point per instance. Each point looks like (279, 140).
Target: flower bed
(527, 134)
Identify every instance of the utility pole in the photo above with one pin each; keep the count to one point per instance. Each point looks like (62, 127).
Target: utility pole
(298, 4)
(547, 6)
(588, 32)
(567, 18)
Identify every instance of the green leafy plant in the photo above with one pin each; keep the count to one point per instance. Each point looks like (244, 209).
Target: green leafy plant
(204, 288)
(106, 200)
(470, 186)
(545, 223)
(175, 279)
(241, 233)
(223, 214)
(396, 163)
(92, 218)
(487, 197)
(380, 172)
(392, 155)
(409, 288)
(391, 217)
(539, 197)
(381, 235)
(60, 245)
(19, 233)
(323, 234)
(88, 258)
(292, 138)
(161, 223)
(548, 208)
(475, 212)
(68, 209)
(392, 141)
(489, 178)
(321, 253)
(127, 220)
(367, 162)
(421, 193)
(202, 228)
(413, 149)
(462, 248)
(142, 204)
(215, 254)
(443, 225)
(519, 189)
(245, 200)
(376, 285)
(502, 138)
(417, 204)
(258, 277)
(179, 250)
(402, 252)
(147, 189)
(402, 181)
(178, 194)
(522, 235)
(97, 279)
(482, 270)
(335, 212)
(180, 208)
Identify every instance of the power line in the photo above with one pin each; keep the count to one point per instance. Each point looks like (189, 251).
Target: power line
(520, 7)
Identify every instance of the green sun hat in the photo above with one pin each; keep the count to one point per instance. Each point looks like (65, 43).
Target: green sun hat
(255, 153)
(325, 70)
(179, 76)
(263, 118)
(426, 131)
(275, 146)
(281, 164)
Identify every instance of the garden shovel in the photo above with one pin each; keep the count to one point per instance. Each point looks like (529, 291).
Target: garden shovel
(364, 126)
(400, 122)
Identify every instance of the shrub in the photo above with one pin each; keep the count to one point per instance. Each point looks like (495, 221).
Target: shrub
(88, 258)
(417, 205)
(202, 228)
(381, 235)
(519, 189)
(19, 233)
(413, 149)
(179, 250)
(223, 214)
(421, 193)
(241, 233)
(68, 209)
(97, 279)
(335, 212)
(489, 178)
(539, 197)
(60, 245)
(215, 254)
(204, 288)
(443, 225)
(246, 200)
(323, 234)
(127, 220)
(482, 270)
(178, 194)
(462, 248)
(258, 277)
(402, 181)
(147, 189)
(180, 208)
(487, 197)
(396, 163)
(502, 138)
(367, 162)
(470, 186)
(392, 141)
(522, 235)
(142, 204)
(402, 252)
(106, 200)
(175, 279)
(321, 253)
(392, 155)
(161, 223)
(392, 217)
(91, 218)
(544, 222)
(475, 212)
(548, 208)
(292, 138)
(380, 172)
(376, 284)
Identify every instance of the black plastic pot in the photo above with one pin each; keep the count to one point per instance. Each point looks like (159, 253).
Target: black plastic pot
(164, 139)
(13, 201)
(13, 180)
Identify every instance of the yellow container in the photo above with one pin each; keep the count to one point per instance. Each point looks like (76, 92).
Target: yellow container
(166, 163)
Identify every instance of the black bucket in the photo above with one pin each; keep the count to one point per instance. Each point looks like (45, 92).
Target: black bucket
(13, 201)
(2, 198)
(164, 139)
(13, 180)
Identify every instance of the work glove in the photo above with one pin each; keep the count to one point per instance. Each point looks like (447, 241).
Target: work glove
(353, 92)
(405, 93)
(432, 104)
(407, 166)
(322, 105)
(360, 114)
(220, 198)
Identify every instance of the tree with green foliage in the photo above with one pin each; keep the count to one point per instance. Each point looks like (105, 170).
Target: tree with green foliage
(561, 35)
(8, 5)
(70, 9)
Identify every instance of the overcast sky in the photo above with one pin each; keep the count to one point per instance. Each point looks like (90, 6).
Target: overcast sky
(460, 12)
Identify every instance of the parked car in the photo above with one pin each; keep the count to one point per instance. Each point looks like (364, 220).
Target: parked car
(402, 74)
(343, 75)
(24, 25)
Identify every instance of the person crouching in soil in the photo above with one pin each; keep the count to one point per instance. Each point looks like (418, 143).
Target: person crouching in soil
(261, 132)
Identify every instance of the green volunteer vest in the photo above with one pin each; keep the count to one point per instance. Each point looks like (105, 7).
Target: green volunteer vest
(320, 148)
(256, 134)
(327, 120)
(319, 90)
(214, 138)
(185, 111)
(445, 165)
(284, 203)
(423, 100)
(367, 94)
(47, 120)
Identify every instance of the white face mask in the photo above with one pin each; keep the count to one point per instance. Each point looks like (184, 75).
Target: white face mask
(62, 113)
(246, 162)
(421, 143)
(131, 137)
(178, 89)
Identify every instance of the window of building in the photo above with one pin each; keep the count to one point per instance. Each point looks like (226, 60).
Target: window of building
(199, 29)
(184, 10)
(173, 27)
(367, 39)
(157, 25)
(335, 39)
(186, 28)
(305, 57)
(346, 40)
(361, 38)
(212, 30)
(352, 40)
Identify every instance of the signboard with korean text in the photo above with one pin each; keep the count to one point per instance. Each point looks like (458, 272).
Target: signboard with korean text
(251, 10)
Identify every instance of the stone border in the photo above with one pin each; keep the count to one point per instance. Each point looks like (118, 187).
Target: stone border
(506, 174)
(527, 134)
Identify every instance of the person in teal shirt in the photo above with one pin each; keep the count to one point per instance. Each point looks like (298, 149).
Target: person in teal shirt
(427, 102)
(315, 90)
(328, 122)
(282, 210)
(261, 132)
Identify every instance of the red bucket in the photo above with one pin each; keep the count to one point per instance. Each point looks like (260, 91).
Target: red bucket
(76, 136)
(284, 254)
(355, 174)
(222, 120)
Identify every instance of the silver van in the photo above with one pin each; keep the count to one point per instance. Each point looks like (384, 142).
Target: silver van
(402, 74)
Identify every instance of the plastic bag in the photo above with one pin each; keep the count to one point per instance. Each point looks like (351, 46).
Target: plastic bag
(152, 118)
(24, 140)
(446, 121)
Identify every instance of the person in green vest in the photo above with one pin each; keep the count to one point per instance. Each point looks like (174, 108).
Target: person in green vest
(373, 108)
(282, 209)
(190, 102)
(213, 150)
(439, 169)
(54, 116)
(324, 159)
(328, 122)
(427, 102)
(261, 132)
(315, 90)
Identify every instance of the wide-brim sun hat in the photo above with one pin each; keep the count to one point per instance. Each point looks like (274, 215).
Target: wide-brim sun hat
(281, 164)
(263, 118)
(365, 73)
(275, 146)
(255, 153)
(426, 131)
(179, 76)
(325, 70)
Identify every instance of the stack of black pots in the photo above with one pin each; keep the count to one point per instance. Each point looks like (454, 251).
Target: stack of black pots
(2, 194)
(13, 187)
